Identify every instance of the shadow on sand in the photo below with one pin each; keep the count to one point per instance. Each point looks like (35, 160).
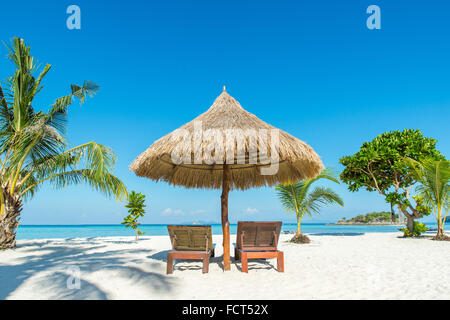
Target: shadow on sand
(191, 264)
(50, 260)
(258, 264)
(338, 234)
(181, 265)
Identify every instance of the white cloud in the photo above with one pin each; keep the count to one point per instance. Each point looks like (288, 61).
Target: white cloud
(197, 211)
(251, 210)
(169, 211)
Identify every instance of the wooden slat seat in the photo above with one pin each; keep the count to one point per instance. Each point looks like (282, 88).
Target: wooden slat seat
(258, 240)
(190, 243)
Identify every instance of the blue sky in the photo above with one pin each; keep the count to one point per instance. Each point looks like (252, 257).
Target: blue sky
(311, 68)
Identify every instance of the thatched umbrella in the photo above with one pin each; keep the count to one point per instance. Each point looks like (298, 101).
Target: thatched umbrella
(185, 157)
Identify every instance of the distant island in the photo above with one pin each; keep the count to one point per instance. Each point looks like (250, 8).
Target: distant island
(372, 218)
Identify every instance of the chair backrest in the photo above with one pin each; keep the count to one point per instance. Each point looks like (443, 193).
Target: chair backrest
(258, 234)
(190, 238)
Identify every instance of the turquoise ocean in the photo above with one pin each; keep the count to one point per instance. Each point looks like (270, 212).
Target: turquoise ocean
(27, 232)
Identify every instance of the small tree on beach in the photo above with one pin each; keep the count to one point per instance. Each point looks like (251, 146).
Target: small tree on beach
(434, 188)
(379, 166)
(33, 149)
(136, 205)
(297, 198)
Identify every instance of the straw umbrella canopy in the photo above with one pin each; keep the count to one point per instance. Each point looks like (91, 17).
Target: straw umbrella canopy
(227, 148)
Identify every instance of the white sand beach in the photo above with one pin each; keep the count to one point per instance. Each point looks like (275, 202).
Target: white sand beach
(369, 266)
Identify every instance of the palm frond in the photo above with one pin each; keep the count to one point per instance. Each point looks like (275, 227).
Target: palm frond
(294, 197)
(434, 179)
(289, 195)
(88, 88)
(327, 173)
(319, 197)
(32, 144)
(97, 163)
(107, 184)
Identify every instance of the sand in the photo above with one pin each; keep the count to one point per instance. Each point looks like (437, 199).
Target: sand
(354, 266)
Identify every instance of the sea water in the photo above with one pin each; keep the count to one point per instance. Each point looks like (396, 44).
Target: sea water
(26, 232)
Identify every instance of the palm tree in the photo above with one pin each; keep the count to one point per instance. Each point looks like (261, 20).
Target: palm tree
(434, 188)
(33, 149)
(295, 197)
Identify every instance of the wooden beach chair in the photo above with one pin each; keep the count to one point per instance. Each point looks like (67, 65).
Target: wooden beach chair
(258, 240)
(190, 242)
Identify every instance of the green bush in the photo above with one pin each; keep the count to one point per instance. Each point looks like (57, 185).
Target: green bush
(419, 228)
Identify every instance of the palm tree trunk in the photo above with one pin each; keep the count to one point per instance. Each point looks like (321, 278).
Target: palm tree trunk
(440, 231)
(440, 228)
(9, 222)
(299, 222)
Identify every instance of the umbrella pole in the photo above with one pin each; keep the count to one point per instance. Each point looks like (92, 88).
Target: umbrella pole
(226, 182)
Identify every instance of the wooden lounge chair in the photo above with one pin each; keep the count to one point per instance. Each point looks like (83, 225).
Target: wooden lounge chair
(258, 240)
(190, 242)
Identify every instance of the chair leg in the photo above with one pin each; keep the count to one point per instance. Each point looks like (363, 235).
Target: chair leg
(206, 263)
(169, 263)
(213, 252)
(244, 262)
(280, 262)
(236, 253)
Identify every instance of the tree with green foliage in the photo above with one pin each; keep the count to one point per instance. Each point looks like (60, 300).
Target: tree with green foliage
(297, 198)
(136, 205)
(379, 166)
(434, 188)
(33, 149)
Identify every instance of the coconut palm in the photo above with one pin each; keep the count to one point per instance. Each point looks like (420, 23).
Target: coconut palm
(297, 198)
(434, 188)
(33, 149)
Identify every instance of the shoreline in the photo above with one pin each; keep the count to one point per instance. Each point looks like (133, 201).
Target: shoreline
(92, 231)
(148, 237)
(352, 266)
